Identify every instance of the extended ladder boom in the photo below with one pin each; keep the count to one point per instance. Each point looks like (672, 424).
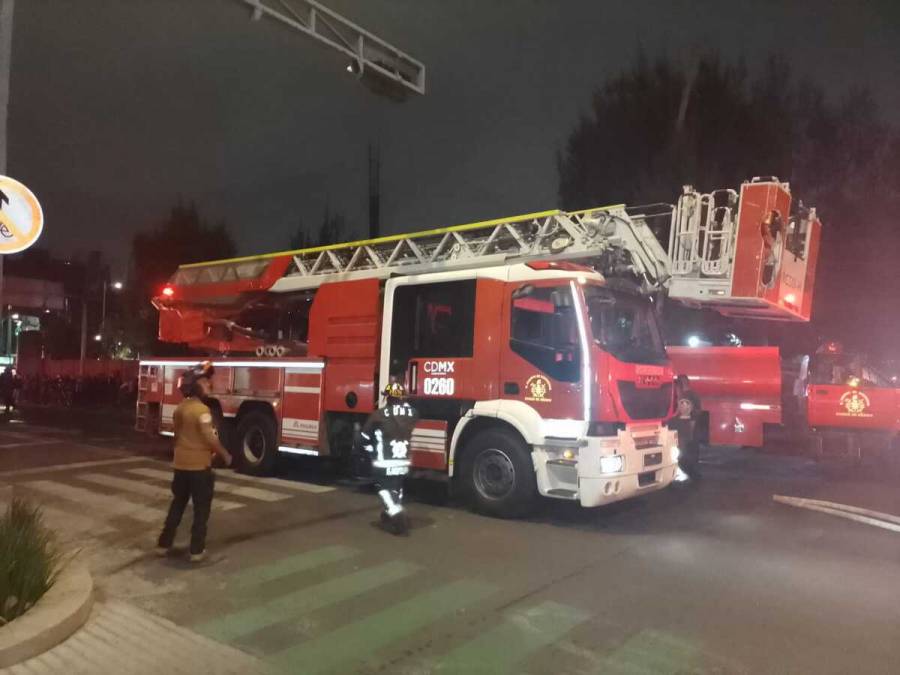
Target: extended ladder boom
(609, 238)
(743, 253)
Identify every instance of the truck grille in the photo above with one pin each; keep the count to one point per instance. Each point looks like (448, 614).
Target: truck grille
(645, 404)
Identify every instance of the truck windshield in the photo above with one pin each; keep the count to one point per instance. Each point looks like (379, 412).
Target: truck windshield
(845, 370)
(624, 325)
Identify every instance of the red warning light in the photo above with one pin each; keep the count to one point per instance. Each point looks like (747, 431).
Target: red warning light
(168, 291)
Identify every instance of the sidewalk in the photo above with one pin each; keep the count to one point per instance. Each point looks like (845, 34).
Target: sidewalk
(120, 638)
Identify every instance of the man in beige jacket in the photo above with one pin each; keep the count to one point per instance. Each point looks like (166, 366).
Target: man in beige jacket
(196, 442)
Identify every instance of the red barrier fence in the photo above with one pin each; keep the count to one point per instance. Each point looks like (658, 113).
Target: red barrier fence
(31, 366)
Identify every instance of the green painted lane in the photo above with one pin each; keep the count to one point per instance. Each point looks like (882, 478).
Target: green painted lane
(652, 651)
(292, 565)
(338, 650)
(521, 633)
(305, 600)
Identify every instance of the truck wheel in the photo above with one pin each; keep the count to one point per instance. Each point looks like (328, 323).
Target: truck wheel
(498, 474)
(256, 445)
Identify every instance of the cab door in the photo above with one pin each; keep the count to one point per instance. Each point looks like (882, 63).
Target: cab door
(542, 360)
(443, 344)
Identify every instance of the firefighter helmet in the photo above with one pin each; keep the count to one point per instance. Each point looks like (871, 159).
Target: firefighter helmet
(394, 390)
(191, 375)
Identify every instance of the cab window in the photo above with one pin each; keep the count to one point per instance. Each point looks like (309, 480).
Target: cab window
(544, 330)
(432, 320)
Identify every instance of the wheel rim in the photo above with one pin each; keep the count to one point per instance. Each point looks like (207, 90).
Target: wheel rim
(494, 473)
(254, 445)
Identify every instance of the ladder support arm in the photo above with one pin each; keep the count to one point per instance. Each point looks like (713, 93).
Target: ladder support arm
(369, 55)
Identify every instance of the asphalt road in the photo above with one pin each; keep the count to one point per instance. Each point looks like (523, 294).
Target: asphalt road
(712, 576)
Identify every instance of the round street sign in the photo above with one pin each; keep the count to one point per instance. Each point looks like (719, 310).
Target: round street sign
(21, 217)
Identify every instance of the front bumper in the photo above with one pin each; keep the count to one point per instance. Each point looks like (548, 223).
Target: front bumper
(575, 472)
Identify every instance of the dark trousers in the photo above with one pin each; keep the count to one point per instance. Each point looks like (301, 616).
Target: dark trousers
(196, 486)
(688, 443)
(394, 486)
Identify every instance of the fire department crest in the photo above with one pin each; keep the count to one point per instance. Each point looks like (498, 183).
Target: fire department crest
(855, 403)
(537, 388)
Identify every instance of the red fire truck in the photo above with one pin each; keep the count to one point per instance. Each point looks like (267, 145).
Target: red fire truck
(530, 345)
(850, 407)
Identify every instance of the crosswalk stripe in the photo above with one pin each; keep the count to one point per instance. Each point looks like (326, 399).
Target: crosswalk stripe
(250, 492)
(337, 650)
(110, 506)
(25, 444)
(68, 467)
(292, 565)
(222, 486)
(651, 651)
(293, 485)
(22, 436)
(131, 486)
(66, 522)
(305, 600)
(519, 635)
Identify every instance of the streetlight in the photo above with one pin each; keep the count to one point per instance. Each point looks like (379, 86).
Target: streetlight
(117, 286)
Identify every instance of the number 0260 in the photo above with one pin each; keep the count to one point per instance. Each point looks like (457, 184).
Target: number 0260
(439, 386)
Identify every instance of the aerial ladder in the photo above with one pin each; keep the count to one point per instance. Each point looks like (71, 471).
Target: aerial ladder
(741, 252)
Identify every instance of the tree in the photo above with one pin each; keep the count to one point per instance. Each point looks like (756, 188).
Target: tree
(331, 231)
(183, 237)
(659, 125)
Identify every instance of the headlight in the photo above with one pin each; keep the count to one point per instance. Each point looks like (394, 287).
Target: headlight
(676, 453)
(612, 464)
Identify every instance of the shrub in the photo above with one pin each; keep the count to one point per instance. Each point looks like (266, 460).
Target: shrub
(29, 559)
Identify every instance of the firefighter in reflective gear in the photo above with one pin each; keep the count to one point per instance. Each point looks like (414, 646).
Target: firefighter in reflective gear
(385, 437)
(196, 443)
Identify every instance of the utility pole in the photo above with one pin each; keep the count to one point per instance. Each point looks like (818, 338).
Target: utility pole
(374, 192)
(83, 335)
(6, 27)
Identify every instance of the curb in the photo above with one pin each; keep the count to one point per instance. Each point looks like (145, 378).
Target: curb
(59, 613)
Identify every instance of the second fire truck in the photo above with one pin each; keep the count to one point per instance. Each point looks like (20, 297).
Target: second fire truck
(529, 345)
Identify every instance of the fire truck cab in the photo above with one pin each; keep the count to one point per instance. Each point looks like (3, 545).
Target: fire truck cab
(543, 373)
(850, 407)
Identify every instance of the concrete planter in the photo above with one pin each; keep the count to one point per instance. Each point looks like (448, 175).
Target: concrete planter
(59, 613)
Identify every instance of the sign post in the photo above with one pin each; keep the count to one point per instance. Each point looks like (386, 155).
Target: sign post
(6, 25)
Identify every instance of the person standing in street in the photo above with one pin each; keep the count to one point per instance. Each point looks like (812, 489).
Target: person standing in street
(688, 423)
(8, 389)
(386, 437)
(196, 443)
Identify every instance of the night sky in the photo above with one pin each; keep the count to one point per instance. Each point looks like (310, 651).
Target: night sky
(119, 106)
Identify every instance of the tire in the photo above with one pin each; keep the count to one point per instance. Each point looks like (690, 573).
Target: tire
(497, 474)
(256, 444)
